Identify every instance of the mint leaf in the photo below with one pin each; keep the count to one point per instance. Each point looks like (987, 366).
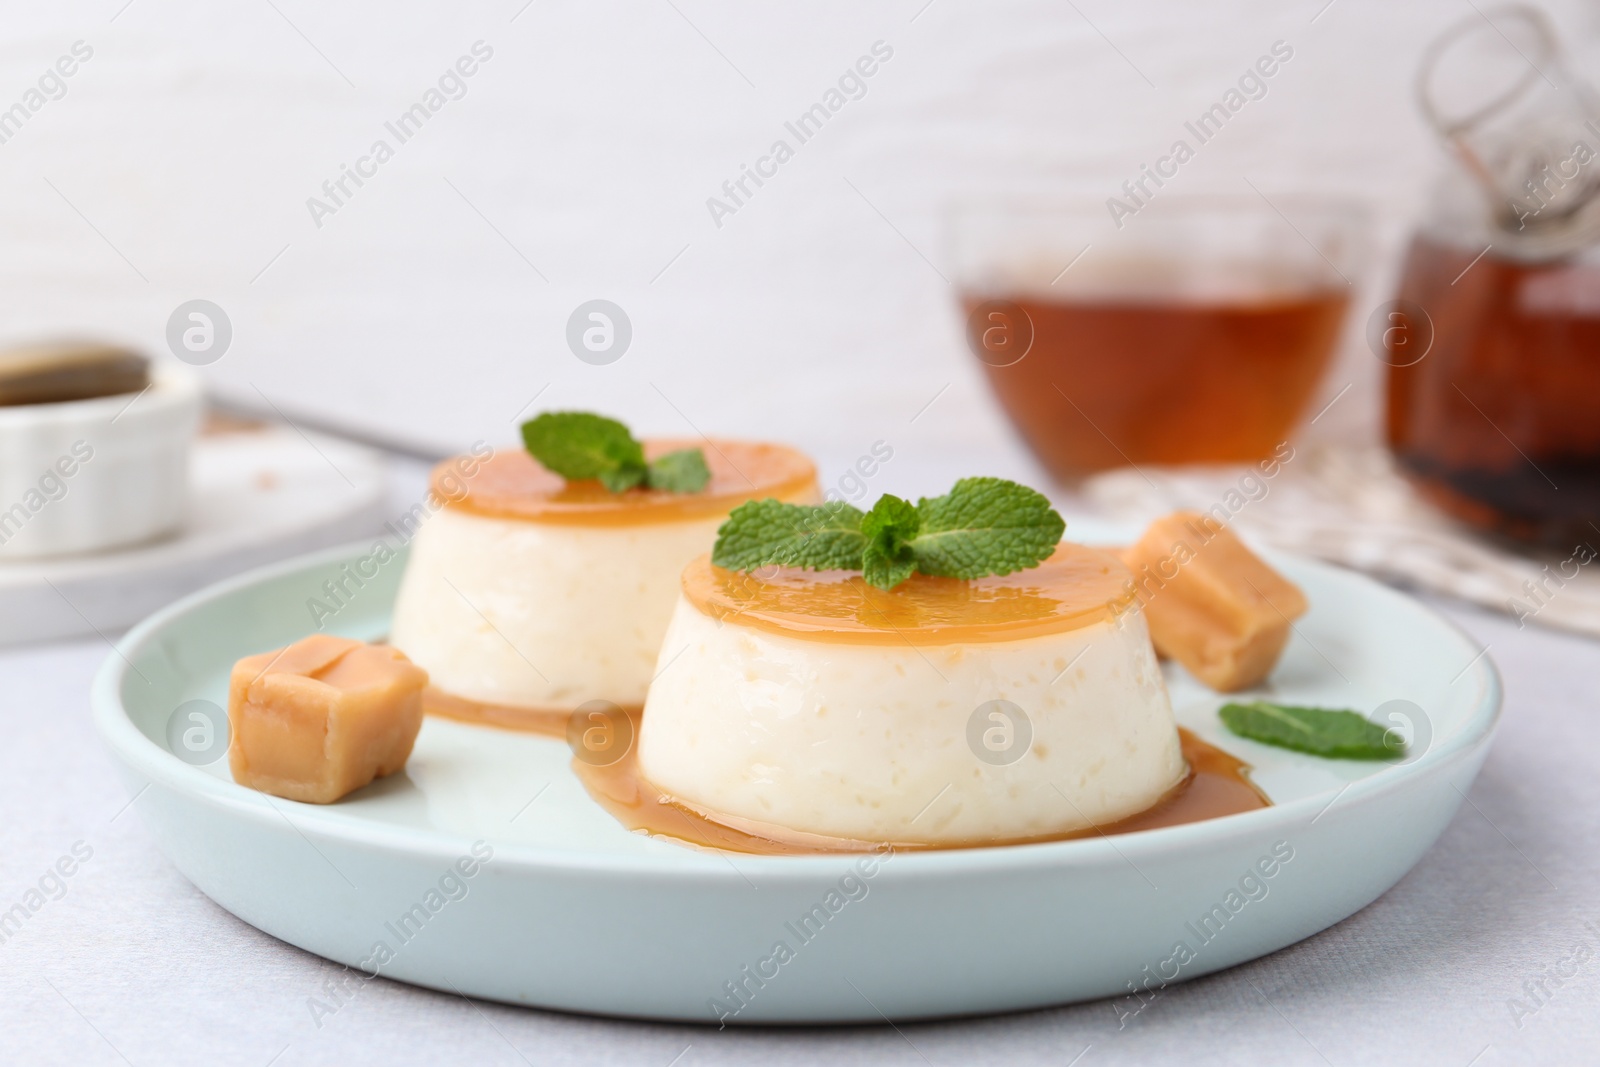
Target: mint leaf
(889, 529)
(883, 571)
(683, 471)
(760, 533)
(985, 526)
(578, 445)
(1335, 734)
(624, 478)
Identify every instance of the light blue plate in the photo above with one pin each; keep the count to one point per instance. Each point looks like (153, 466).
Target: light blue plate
(571, 911)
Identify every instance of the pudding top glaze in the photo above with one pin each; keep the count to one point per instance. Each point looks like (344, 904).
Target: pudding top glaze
(513, 485)
(1078, 586)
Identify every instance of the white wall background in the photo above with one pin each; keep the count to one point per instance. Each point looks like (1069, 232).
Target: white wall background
(591, 141)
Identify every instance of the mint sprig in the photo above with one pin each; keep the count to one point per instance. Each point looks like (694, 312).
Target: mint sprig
(581, 446)
(1335, 734)
(983, 526)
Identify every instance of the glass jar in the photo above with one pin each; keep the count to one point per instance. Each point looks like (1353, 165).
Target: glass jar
(1494, 340)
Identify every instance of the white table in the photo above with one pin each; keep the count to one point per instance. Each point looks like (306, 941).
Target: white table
(133, 965)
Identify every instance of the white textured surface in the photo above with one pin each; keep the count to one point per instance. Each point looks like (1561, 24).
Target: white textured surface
(591, 141)
(850, 740)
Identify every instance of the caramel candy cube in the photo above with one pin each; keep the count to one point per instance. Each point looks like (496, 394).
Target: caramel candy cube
(1211, 603)
(323, 717)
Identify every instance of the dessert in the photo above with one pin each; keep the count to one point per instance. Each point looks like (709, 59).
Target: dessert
(322, 717)
(530, 592)
(812, 703)
(975, 682)
(1211, 603)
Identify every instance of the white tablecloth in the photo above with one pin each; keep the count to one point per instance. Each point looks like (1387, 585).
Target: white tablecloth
(133, 965)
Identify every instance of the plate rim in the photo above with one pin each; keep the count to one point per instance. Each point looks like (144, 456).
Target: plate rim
(134, 750)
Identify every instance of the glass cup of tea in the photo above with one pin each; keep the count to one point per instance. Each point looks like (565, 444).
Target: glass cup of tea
(1191, 330)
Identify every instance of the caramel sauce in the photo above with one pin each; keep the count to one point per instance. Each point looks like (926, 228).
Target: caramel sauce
(513, 485)
(552, 722)
(1217, 785)
(1076, 587)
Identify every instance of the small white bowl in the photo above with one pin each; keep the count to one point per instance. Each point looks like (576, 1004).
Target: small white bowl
(87, 475)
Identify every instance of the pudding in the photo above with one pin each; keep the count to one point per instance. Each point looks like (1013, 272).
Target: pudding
(527, 595)
(809, 705)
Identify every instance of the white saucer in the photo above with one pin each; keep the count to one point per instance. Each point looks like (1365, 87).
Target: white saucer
(255, 496)
(571, 911)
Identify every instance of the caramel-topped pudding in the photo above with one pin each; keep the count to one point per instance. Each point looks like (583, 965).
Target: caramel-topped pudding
(528, 593)
(809, 704)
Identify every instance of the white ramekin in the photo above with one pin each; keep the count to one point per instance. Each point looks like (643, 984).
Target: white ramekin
(87, 475)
